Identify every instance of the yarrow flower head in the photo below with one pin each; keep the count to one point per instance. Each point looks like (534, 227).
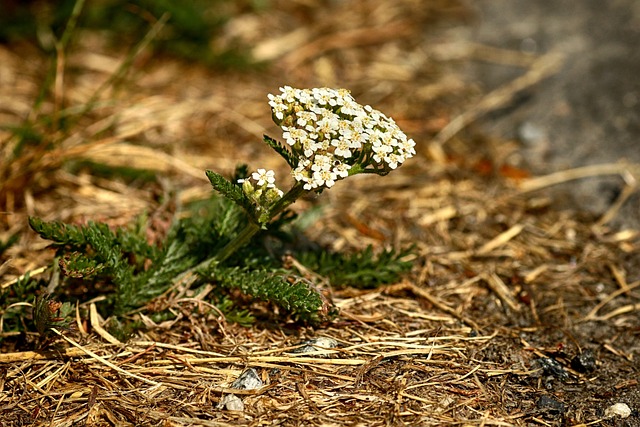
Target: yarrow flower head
(332, 136)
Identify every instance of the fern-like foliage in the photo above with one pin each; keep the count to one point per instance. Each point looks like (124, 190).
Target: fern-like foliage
(282, 150)
(60, 233)
(13, 313)
(361, 269)
(49, 313)
(294, 294)
(134, 271)
(79, 266)
(233, 313)
(138, 270)
(95, 251)
(231, 191)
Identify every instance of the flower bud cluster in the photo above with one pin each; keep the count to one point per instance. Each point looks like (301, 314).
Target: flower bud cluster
(261, 188)
(333, 136)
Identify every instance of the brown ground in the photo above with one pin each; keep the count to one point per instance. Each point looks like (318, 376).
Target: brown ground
(516, 313)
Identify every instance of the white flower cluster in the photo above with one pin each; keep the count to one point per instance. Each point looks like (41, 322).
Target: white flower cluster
(330, 133)
(264, 177)
(266, 191)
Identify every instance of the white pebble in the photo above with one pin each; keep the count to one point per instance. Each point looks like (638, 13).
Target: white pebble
(231, 402)
(248, 380)
(620, 409)
(316, 345)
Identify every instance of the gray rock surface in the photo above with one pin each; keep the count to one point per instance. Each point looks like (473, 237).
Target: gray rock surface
(589, 112)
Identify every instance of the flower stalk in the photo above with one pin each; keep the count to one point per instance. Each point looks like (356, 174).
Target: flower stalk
(329, 137)
(252, 227)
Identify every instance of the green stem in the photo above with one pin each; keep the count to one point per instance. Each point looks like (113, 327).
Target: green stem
(292, 195)
(236, 243)
(252, 228)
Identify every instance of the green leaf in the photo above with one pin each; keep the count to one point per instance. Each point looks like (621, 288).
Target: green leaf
(61, 234)
(235, 314)
(230, 191)
(294, 294)
(95, 251)
(362, 269)
(79, 266)
(282, 150)
(49, 313)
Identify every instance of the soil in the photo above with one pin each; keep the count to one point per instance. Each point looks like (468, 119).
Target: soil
(585, 114)
(520, 310)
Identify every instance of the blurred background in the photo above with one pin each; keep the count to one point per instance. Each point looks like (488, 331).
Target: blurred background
(98, 97)
(588, 112)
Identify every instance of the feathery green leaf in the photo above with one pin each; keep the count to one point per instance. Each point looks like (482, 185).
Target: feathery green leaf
(231, 191)
(361, 269)
(282, 150)
(292, 293)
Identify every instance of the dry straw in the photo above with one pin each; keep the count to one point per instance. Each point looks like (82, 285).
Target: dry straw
(501, 278)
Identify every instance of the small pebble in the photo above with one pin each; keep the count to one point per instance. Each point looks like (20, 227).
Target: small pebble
(584, 362)
(316, 344)
(621, 410)
(551, 405)
(231, 402)
(552, 367)
(248, 380)
(531, 134)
